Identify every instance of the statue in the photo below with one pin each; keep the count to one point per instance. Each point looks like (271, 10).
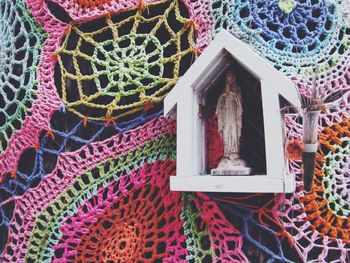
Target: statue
(229, 114)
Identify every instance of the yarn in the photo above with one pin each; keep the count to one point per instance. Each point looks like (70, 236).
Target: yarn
(313, 33)
(90, 4)
(20, 43)
(46, 100)
(113, 190)
(294, 150)
(205, 228)
(287, 6)
(318, 222)
(85, 157)
(133, 218)
(115, 68)
(63, 141)
(130, 150)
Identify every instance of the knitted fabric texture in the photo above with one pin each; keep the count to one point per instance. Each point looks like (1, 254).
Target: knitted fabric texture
(85, 156)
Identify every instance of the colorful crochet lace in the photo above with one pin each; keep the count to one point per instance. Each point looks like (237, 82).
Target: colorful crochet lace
(85, 156)
(20, 43)
(113, 68)
(319, 222)
(312, 33)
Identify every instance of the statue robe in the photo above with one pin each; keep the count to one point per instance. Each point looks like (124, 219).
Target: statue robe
(229, 115)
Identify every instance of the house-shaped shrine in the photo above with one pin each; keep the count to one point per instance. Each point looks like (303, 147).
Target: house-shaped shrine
(192, 103)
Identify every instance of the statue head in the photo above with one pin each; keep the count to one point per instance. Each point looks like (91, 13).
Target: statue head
(230, 78)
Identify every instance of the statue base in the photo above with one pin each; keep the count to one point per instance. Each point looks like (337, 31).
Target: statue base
(231, 167)
(237, 170)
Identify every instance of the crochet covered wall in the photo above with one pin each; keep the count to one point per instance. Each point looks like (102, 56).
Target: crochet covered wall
(85, 154)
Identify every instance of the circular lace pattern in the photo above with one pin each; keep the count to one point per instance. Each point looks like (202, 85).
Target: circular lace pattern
(124, 232)
(127, 59)
(311, 34)
(319, 221)
(112, 68)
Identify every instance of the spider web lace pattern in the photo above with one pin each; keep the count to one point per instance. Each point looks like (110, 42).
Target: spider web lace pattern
(140, 141)
(20, 42)
(296, 40)
(319, 221)
(116, 69)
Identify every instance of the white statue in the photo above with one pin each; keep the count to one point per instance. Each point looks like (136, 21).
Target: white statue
(229, 114)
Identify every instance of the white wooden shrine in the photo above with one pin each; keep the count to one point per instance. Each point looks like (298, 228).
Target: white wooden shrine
(183, 104)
